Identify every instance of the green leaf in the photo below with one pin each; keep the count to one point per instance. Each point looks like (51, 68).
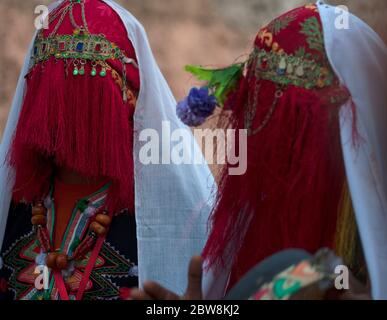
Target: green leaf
(281, 23)
(201, 74)
(301, 53)
(221, 81)
(311, 28)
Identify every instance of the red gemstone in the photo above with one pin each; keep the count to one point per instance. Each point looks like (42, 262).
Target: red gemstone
(264, 64)
(62, 45)
(98, 47)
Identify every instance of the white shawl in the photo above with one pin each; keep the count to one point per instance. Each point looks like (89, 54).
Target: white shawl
(359, 58)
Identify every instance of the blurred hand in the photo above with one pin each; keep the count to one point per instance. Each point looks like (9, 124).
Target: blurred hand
(154, 291)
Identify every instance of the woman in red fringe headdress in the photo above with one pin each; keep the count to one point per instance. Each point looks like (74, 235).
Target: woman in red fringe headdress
(77, 118)
(68, 163)
(72, 154)
(290, 196)
(294, 192)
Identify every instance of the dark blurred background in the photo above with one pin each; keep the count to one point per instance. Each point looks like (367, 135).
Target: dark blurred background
(209, 32)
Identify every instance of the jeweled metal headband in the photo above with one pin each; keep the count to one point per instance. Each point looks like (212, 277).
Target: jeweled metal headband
(80, 47)
(85, 46)
(287, 69)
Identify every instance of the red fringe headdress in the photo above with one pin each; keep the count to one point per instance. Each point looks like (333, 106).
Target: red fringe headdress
(78, 122)
(289, 197)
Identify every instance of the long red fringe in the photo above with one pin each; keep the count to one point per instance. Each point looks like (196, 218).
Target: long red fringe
(82, 124)
(289, 196)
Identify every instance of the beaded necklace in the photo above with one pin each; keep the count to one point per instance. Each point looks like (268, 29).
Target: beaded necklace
(59, 261)
(95, 218)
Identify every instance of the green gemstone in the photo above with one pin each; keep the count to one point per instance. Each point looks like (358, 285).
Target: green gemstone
(93, 72)
(103, 73)
(75, 72)
(82, 71)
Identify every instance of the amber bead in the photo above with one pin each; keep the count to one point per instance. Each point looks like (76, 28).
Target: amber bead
(39, 220)
(62, 261)
(51, 260)
(98, 228)
(39, 210)
(103, 219)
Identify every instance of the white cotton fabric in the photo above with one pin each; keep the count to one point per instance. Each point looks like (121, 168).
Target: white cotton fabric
(172, 201)
(7, 174)
(359, 58)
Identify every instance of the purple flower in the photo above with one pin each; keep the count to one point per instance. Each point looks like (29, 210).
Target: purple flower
(187, 116)
(201, 103)
(197, 107)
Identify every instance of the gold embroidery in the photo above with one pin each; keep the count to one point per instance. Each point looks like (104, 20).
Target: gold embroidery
(131, 95)
(288, 69)
(266, 37)
(312, 7)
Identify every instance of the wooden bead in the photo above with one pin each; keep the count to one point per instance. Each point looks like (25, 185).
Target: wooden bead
(39, 210)
(51, 260)
(62, 261)
(103, 220)
(39, 220)
(98, 228)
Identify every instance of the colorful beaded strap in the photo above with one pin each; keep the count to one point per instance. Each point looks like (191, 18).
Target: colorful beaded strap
(285, 69)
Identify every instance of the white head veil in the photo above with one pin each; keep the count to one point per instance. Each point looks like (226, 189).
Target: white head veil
(359, 58)
(172, 201)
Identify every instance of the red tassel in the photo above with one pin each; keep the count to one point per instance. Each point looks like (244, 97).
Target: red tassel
(290, 194)
(80, 123)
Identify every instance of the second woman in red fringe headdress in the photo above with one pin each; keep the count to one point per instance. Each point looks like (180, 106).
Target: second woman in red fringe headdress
(294, 192)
